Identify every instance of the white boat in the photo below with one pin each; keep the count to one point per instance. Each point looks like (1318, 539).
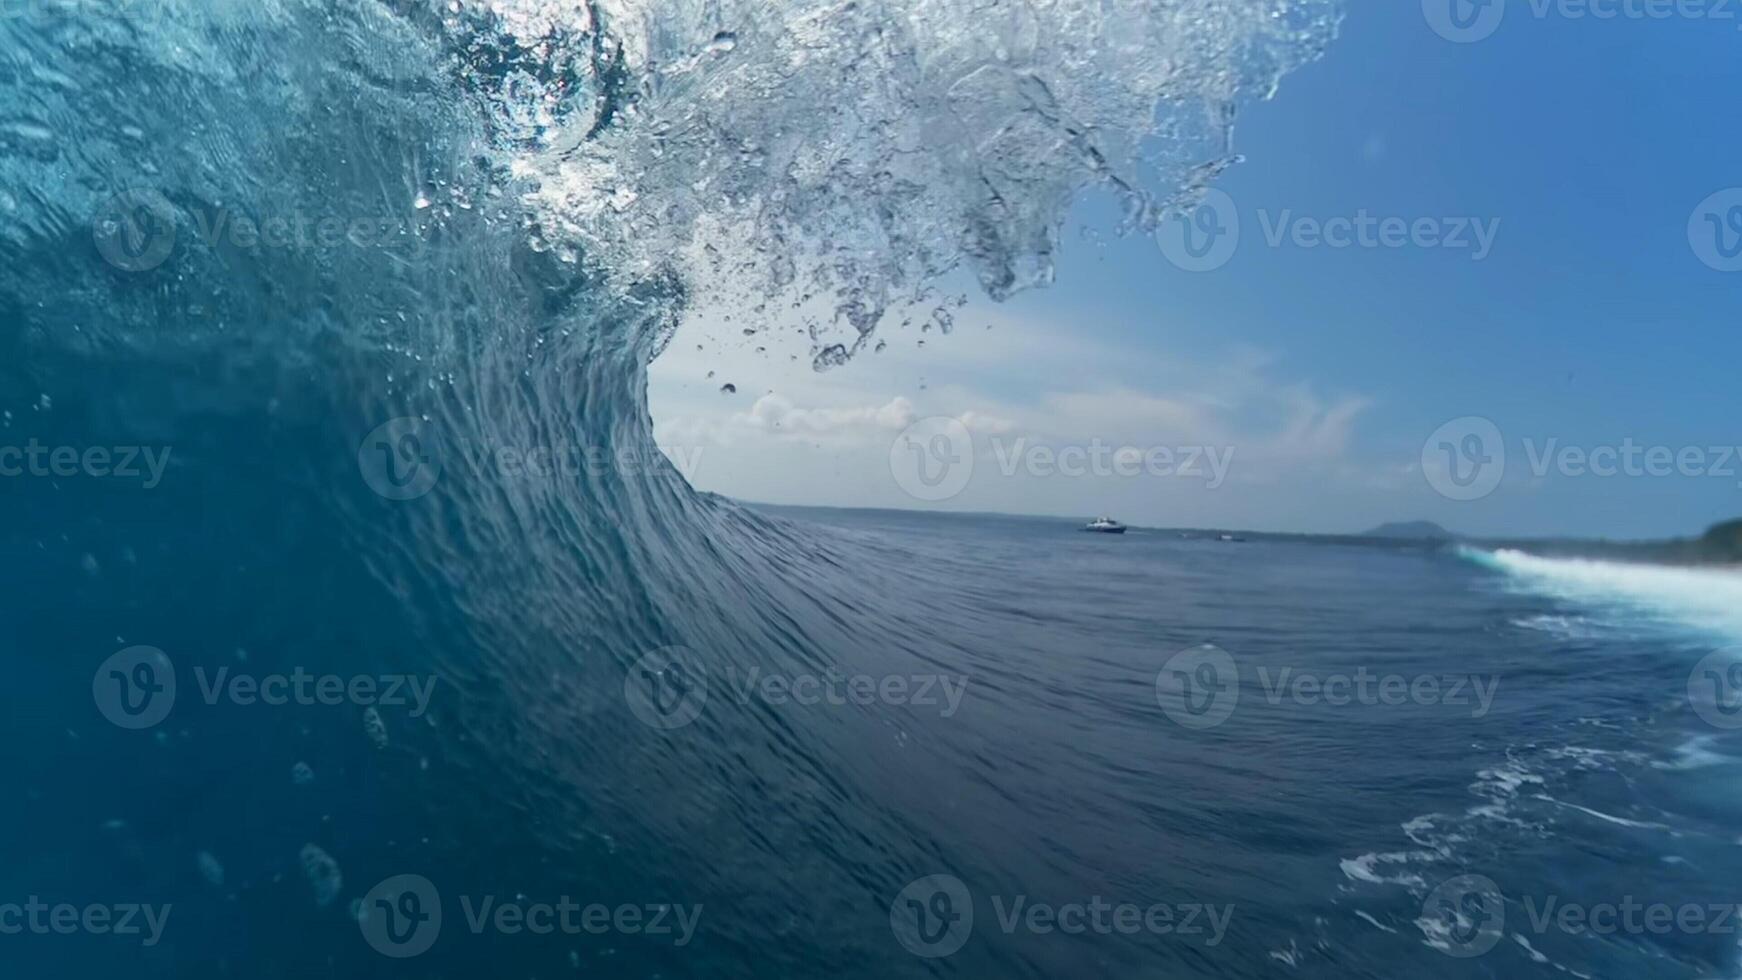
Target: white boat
(1105, 525)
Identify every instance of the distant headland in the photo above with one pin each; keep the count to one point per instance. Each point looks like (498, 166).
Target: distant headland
(1412, 530)
(1720, 545)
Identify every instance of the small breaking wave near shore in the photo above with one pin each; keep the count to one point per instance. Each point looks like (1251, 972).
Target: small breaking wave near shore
(1708, 600)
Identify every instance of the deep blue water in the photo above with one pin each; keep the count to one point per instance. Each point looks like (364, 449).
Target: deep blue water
(1313, 832)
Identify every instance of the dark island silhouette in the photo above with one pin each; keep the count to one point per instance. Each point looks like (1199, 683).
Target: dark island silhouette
(1412, 530)
(1721, 544)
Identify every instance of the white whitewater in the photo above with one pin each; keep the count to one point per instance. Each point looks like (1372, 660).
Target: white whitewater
(1708, 600)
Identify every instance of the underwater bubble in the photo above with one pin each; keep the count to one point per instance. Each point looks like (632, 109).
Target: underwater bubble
(374, 727)
(209, 867)
(322, 873)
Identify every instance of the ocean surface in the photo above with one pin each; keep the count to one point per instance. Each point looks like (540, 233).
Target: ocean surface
(1016, 731)
(309, 675)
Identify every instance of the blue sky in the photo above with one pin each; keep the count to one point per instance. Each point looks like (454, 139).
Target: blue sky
(1584, 144)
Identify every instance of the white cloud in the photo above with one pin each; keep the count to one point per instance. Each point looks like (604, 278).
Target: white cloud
(778, 416)
(826, 438)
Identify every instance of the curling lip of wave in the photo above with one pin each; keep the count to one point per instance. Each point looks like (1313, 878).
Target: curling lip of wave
(1708, 599)
(852, 153)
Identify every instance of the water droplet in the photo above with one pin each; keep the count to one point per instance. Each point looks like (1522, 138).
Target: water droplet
(209, 867)
(322, 873)
(375, 728)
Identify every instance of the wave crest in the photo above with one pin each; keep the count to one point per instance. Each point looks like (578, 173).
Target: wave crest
(822, 161)
(1706, 599)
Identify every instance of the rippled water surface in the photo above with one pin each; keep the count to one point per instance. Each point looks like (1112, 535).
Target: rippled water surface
(1032, 749)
